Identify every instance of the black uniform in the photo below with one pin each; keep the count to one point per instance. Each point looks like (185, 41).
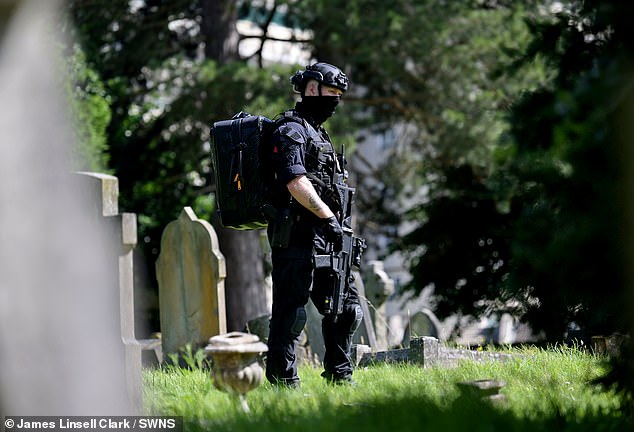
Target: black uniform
(299, 148)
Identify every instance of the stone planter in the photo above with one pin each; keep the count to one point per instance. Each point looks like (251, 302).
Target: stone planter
(236, 369)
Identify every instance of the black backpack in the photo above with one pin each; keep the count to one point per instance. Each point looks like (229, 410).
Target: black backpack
(240, 157)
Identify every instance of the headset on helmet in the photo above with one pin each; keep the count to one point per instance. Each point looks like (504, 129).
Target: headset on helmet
(323, 73)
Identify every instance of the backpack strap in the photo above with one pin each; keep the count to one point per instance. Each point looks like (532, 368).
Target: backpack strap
(290, 116)
(237, 141)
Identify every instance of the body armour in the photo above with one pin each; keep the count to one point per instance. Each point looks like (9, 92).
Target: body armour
(301, 149)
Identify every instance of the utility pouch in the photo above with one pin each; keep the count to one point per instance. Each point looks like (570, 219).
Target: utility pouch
(282, 228)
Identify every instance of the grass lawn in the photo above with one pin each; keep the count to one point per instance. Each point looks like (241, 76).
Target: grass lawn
(546, 390)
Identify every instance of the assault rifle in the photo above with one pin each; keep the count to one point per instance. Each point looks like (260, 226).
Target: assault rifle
(341, 262)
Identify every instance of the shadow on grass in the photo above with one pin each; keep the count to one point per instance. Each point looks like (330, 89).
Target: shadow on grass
(415, 414)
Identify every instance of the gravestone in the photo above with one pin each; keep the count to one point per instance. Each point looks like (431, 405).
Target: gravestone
(424, 351)
(422, 323)
(60, 341)
(191, 276)
(102, 193)
(365, 334)
(506, 331)
(378, 287)
(429, 351)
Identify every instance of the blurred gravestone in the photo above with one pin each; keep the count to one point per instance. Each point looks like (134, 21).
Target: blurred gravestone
(191, 274)
(422, 323)
(60, 340)
(506, 330)
(378, 287)
(365, 334)
(101, 193)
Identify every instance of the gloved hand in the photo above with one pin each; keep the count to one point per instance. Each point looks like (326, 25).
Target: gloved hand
(333, 233)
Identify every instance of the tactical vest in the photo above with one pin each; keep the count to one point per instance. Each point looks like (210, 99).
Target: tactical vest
(322, 165)
(320, 160)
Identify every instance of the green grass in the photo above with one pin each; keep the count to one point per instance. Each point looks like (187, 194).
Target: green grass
(546, 390)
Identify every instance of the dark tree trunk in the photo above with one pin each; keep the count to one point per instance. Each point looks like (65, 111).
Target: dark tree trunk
(245, 293)
(219, 29)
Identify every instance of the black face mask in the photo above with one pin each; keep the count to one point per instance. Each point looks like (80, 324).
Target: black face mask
(318, 108)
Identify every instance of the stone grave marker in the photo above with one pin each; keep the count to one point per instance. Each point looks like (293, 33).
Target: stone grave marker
(366, 333)
(60, 344)
(102, 192)
(422, 323)
(191, 273)
(429, 351)
(378, 287)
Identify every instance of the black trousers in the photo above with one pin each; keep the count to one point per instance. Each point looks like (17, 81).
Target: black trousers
(294, 282)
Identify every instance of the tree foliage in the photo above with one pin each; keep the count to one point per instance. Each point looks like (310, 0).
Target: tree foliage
(498, 118)
(509, 174)
(164, 95)
(90, 113)
(542, 227)
(568, 221)
(428, 75)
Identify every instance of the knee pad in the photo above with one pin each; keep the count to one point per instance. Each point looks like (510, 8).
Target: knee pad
(352, 316)
(298, 321)
(358, 316)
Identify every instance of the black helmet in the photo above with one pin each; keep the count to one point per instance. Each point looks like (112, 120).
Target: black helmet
(323, 73)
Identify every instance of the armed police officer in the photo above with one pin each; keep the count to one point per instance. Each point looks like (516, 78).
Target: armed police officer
(309, 224)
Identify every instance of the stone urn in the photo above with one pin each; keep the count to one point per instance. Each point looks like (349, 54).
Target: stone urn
(236, 369)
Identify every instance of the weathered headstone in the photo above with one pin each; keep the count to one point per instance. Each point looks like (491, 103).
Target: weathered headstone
(506, 331)
(429, 351)
(378, 287)
(366, 333)
(422, 323)
(358, 351)
(102, 193)
(191, 273)
(424, 351)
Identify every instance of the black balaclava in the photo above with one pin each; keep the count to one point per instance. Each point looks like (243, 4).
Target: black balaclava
(318, 108)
